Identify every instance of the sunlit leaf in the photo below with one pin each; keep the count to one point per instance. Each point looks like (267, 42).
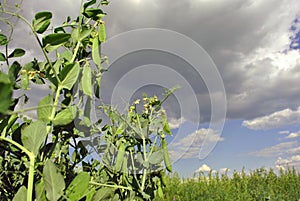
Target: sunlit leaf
(40, 191)
(103, 194)
(33, 136)
(69, 75)
(85, 33)
(65, 116)
(76, 190)
(21, 194)
(45, 108)
(54, 181)
(41, 21)
(75, 35)
(156, 157)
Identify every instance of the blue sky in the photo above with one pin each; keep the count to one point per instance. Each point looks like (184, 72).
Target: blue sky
(255, 46)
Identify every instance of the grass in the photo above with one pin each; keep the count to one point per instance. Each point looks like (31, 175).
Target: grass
(258, 185)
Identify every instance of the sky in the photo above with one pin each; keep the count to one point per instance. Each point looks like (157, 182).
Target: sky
(237, 61)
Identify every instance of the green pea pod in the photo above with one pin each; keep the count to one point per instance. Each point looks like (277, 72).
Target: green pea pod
(160, 192)
(96, 52)
(166, 154)
(159, 189)
(120, 157)
(102, 32)
(163, 178)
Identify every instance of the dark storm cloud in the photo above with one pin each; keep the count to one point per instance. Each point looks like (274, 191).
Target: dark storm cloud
(247, 40)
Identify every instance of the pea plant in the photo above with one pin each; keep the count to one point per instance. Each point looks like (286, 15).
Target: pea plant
(52, 156)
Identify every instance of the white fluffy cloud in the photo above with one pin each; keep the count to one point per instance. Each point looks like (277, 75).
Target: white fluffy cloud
(274, 120)
(293, 135)
(278, 149)
(192, 145)
(204, 168)
(283, 163)
(175, 123)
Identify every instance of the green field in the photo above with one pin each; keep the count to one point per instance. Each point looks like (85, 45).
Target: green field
(258, 185)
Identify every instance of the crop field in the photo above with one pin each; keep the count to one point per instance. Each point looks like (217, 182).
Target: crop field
(258, 185)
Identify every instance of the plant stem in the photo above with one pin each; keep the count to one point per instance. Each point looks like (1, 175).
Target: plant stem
(75, 51)
(112, 186)
(31, 165)
(145, 169)
(55, 104)
(144, 153)
(38, 40)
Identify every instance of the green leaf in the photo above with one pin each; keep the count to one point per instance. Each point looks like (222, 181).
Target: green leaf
(3, 40)
(17, 53)
(50, 48)
(54, 181)
(44, 108)
(6, 90)
(40, 192)
(103, 194)
(89, 3)
(76, 190)
(65, 116)
(85, 33)
(67, 55)
(94, 13)
(56, 39)
(21, 194)
(33, 136)
(156, 157)
(41, 21)
(102, 32)
(13, 71)
(2, 57)
(86, 80)
(75, 35)
(96, 54)
(104, 2)
(89, 194)
(69, 75)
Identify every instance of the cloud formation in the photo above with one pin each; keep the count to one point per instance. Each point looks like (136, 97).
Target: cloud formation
(250, 48)
(283, 163)
(275, 120)
(192, 145)
(204, 168)
(278, 149)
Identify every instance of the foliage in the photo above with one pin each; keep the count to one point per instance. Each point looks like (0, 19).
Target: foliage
(49, 157)
(259, 185)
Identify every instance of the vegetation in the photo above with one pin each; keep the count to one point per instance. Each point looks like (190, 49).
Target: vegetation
(52, 156)
(259, 185)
